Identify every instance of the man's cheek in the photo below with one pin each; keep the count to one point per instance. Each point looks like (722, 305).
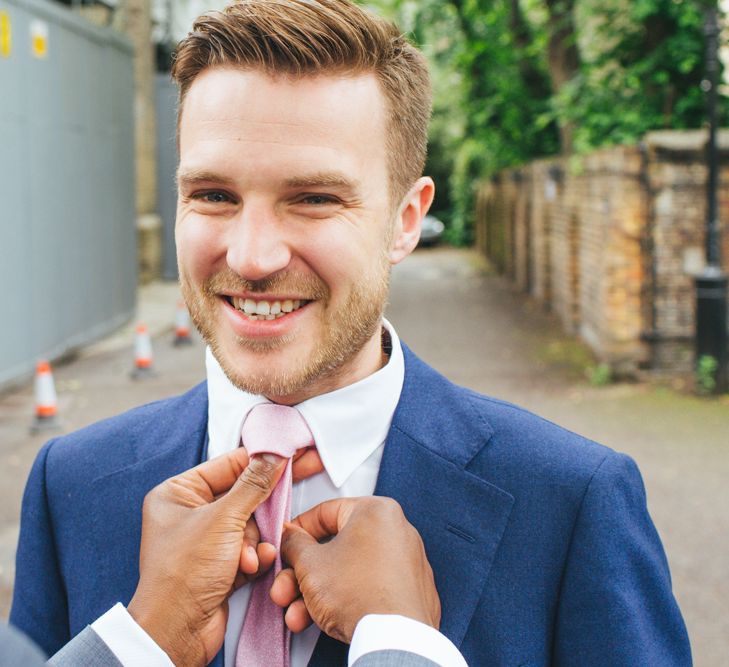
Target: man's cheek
(199, 252)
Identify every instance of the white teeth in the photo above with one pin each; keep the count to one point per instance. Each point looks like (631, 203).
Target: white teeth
(265, 310)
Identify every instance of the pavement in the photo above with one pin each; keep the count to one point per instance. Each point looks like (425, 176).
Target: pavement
(472, 326)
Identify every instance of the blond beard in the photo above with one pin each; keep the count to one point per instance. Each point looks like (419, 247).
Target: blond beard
(346, 330)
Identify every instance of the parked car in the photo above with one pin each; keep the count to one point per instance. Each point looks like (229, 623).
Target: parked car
(431, 231)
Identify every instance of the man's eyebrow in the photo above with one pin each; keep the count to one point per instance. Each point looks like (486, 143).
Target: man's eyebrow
(323, 179)
(193, 176)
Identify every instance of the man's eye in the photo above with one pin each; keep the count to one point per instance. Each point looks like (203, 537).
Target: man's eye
(318, 200)
(213, 197)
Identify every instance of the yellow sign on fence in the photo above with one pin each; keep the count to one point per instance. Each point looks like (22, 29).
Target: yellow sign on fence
(6, 41)
(39, 38)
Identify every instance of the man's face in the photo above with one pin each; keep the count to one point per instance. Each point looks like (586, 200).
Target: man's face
(285, 230)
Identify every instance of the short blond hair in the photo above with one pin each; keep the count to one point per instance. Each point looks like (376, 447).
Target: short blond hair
(309, 37)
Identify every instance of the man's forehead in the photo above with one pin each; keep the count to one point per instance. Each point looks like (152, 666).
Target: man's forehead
(332, 120)
(226, 93)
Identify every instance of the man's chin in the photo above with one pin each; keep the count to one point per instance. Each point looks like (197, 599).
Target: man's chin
(260, 347)
(263, 369)
(280, 389)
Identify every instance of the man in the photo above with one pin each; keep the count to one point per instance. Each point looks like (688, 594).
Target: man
(302, 135)
(196, 543)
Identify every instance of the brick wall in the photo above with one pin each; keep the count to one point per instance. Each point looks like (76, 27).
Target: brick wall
(610, 242)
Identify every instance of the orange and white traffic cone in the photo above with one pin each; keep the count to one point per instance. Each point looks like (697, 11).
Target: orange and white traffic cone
(142, 354)
(182, 326)
(46, 401)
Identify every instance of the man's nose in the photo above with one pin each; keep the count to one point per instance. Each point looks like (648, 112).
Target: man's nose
(258, 246)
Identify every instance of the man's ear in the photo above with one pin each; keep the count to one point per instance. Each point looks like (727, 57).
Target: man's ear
(410, 215)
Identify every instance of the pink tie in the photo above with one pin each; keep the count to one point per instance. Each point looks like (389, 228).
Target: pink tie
(277, 429)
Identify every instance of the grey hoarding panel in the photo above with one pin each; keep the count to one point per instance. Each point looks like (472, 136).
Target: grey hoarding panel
(166, 107)
(67, 219)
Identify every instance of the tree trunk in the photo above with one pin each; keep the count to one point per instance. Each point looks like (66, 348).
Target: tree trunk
(521, 34)
(563, 58)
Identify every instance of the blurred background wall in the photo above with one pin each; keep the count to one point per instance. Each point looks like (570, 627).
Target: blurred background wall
(67, 211)
(87, 129)
(611, 245)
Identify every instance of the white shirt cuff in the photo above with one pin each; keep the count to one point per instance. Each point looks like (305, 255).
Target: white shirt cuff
(126, 639)
(381, 632)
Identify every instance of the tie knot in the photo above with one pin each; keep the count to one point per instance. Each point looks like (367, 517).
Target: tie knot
(275, 429)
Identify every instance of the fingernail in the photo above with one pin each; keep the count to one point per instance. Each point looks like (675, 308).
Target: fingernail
(271, 458)
(252, 552)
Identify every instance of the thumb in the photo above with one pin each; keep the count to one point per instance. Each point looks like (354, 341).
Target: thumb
(294, 542)
(255, 484)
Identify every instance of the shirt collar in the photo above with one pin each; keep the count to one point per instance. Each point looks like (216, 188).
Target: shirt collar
(348, 424)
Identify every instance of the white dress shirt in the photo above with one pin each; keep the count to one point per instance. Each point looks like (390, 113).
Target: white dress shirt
(349, 426)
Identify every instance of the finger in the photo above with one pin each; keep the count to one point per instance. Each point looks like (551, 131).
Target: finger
(249, 562)
(297, 616)
(306, 463)
(215, 476)
(294, 542)
(255, 484)
(327, 518)
(249, 555)
(253, 565)
(285, 588)
(266, 557)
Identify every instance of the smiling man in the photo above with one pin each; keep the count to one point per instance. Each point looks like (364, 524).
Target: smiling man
(302, 135)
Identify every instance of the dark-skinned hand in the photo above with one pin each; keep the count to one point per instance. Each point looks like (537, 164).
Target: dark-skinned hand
(199, 543)
(374, 563)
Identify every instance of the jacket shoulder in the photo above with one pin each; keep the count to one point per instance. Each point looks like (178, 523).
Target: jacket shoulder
(529, 439)
(118, 441)
(492, 437)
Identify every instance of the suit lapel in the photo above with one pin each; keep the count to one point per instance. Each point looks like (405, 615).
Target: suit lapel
(436, 432)
(160, 448)
(460, 518)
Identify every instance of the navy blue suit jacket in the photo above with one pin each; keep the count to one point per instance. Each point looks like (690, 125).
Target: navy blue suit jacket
(541, 543)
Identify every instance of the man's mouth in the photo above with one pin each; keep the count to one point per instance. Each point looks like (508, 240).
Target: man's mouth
(264, 309)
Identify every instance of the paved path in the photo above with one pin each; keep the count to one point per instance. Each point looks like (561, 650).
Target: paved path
(475, 329)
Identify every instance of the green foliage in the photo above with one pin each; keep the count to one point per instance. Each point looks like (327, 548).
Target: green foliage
(644, 74)
(706, 374)
(470, 161)
(600, 375)
(505, 92)
(639, 67)
(570, 355)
